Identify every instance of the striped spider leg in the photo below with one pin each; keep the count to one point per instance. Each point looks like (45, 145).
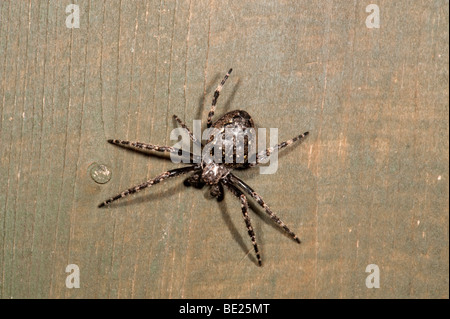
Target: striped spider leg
(214, 101)
(244, 207)
(240, 183)
(151, 182)
(264, 155)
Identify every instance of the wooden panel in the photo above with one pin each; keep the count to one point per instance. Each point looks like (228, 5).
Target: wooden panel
(368, 186)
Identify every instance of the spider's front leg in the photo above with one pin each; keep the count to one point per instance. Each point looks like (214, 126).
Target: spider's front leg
(244, 207)
(214, 101)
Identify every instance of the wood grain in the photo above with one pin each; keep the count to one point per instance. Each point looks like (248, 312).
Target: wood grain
(368, 186)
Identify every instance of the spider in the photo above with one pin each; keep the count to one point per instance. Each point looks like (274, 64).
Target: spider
(215, 175)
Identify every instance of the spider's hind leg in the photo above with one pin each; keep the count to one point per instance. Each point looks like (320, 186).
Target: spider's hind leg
(238, 182)
(244, 207)
(149, 183)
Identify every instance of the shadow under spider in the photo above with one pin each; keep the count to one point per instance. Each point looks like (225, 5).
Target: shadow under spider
(174, 190)
(234, 232)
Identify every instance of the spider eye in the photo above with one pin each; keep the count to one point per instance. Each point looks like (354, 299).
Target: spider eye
(180, 152)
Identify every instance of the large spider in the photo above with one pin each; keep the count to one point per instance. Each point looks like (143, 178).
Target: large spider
(215, 175)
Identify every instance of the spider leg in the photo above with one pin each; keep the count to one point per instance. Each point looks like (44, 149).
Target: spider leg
(214, 101)
(183, 125)
(244, 207)
(145, 146)
(151, 182)
(237, 181)
(266, 153)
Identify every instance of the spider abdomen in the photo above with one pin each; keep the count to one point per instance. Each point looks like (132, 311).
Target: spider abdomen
(238, 117)
(235, 151)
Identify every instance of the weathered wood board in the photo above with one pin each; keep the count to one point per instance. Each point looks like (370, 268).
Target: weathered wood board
(370, 185)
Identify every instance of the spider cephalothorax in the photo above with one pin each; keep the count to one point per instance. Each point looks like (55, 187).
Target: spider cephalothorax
(217, 174)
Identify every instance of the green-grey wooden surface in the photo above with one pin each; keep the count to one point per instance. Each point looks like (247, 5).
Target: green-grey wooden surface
(368, 186)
